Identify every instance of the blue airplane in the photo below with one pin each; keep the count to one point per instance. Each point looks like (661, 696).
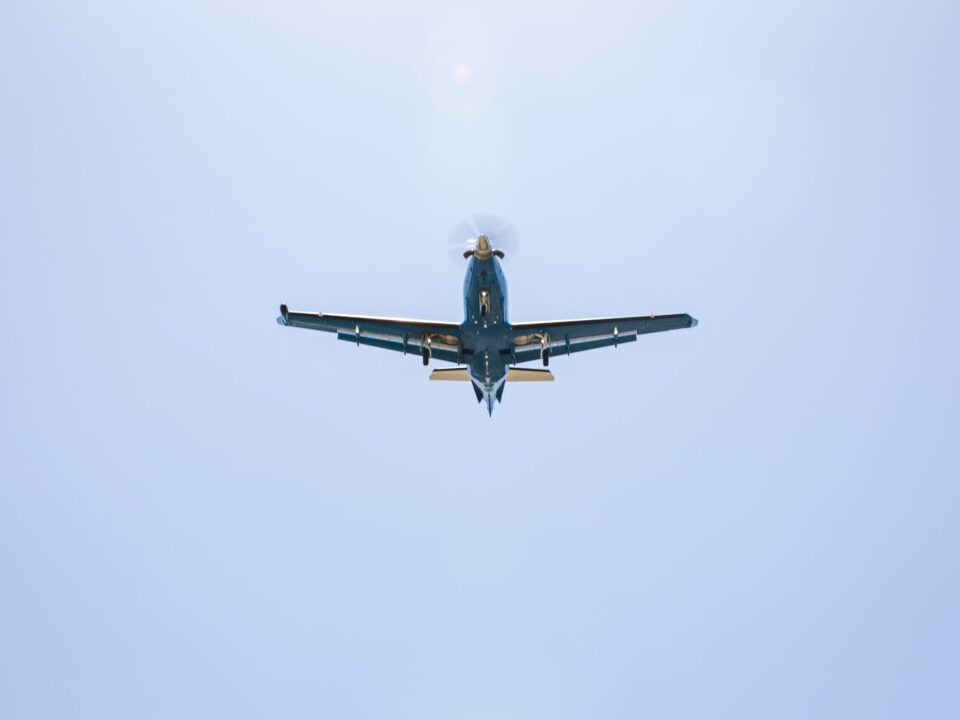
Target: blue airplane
(486, 347)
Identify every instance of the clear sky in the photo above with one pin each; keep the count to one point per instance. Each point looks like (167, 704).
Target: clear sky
(203, 514)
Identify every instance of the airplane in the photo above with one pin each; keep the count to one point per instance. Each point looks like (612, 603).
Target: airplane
(486, 347)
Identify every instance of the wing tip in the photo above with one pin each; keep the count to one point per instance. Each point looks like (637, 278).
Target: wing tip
(282, 320)
(693, 321)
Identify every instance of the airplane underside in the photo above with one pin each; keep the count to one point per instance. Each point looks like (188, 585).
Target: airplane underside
(486, 347)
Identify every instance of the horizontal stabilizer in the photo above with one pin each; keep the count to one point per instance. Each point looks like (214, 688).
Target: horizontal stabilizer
(526, 375)
(456, 373)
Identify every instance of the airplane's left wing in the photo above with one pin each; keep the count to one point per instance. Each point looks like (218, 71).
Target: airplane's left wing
(440, 340)
(539, 340)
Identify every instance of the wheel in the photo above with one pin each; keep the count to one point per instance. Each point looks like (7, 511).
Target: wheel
(426, 355)
(546, 356)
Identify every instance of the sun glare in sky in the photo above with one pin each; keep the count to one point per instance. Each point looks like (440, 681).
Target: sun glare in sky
(462, 73)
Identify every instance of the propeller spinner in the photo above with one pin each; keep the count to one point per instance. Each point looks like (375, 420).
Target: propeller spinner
(483, 235)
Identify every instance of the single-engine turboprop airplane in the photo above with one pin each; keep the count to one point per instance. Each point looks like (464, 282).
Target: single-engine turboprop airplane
(485, 346)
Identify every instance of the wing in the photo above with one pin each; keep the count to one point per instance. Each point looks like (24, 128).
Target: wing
(563, 337)
(440, 339)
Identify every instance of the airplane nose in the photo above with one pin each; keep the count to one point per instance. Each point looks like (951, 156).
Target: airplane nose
(483, 250)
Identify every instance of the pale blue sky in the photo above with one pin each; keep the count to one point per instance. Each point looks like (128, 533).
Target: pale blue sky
(203, 514)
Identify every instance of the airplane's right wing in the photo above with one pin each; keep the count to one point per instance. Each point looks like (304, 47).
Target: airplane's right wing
(426, 338)
(539, 340)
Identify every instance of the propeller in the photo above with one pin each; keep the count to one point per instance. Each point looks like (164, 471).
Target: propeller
(501, 236)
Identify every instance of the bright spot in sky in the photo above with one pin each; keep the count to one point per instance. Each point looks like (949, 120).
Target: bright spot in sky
(462, 73)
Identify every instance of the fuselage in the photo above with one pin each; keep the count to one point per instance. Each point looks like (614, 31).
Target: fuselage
(485, 332)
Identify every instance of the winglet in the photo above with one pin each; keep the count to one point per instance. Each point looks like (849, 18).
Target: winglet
(694, 322)
(282, 320)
